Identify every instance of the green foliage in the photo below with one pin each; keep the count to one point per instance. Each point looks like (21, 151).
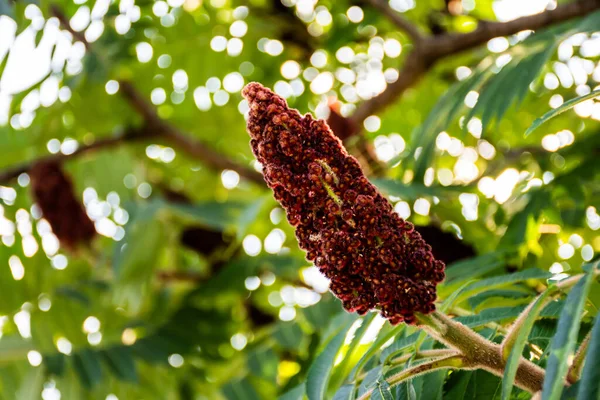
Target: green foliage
(565, 338)
(561, 109)
(195, 287)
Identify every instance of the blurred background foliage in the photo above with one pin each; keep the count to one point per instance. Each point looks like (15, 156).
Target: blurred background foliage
(189, 283)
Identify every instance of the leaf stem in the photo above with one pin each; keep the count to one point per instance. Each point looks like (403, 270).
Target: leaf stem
(579, 359)
(423, 354)
(449, 362)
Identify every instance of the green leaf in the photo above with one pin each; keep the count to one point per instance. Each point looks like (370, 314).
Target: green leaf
(296, 393)
(370, 380)
(215, 214)
(481, 298)
(398, 346)
(320, 370)
(415, 190)
(567, 105)
(344, 367)
(288, 335)
(498, 314)
(386, 333)
(474, 267)
(88, 367)
(382, 390)
(522, 222)
(433, 385)
(512, 363)
(241, 390)
(449, 301)
(346, 392)
(564, 341)
(121, 363)
(589, 384)
(249, 215)
(32, 385)
(136, 259)
(498, 281)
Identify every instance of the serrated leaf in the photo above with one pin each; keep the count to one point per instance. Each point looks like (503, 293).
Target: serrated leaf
(481, 298)
(296, 393)
(567, 105)
(498, 281)
(386, 333)
(346, 392)
(589, 383)
(474, 267)
(497, 314)
(320, 370)
(398, 346)
(415, 190)
(512, 363)
(565, 339)
(241, 390)
(433, 385)
(370, 380)
(288, 335)
(382, 390)
(212, 214)
(344, 368)
(121, 363)
(88, 367)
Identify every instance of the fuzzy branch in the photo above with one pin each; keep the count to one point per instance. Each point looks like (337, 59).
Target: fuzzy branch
(427, 51)
(479, 352)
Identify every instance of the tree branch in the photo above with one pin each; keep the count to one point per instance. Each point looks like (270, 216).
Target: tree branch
(413, 70)
(479, 352)
(452, 43)
(449, 362)
(13, 172)
(193, 147)
(431, 49)
(154, 125)
(403, 24)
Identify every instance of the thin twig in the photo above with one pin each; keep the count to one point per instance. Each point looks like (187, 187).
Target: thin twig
(423, 354)
(161, 128)
(410, 29)
(183, 141)
(453, 43)
(429, 50)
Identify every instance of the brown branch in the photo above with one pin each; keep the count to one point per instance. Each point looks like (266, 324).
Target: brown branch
(170, 133)
(452, 43)
(154, 125)
(431, 49)
(64, 22)
(395, 17)
(13, 172)
(413, 70)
